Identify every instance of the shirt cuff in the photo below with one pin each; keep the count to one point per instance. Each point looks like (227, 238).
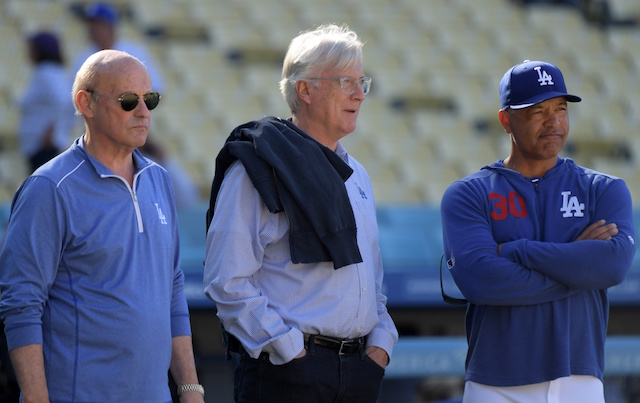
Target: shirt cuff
(286, 348)
(18, 335)
(180, 325)
(383, 339)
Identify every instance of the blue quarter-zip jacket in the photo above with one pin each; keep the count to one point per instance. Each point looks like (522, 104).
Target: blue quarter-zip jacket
(91, 270)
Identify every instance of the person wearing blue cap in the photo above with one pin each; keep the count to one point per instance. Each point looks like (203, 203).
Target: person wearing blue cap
(533, 242)
(102, 19)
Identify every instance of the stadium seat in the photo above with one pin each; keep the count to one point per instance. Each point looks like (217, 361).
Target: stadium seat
(192, 236)
(410, 236)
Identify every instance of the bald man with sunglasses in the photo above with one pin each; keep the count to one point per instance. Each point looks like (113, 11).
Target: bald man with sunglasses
(91, 286)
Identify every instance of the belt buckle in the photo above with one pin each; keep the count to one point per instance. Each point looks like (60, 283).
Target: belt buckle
(342, 344)
(349, 343)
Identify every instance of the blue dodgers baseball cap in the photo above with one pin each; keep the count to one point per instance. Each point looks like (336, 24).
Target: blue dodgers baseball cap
(102, 12)
(532, 82)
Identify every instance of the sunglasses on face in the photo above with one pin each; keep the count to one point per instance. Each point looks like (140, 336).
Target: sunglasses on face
(129, 100)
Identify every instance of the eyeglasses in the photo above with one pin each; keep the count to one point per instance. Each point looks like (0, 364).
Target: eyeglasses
(348, 84)
(129, 100)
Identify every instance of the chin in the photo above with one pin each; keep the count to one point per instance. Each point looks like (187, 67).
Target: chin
(140, 139)
(350, 128)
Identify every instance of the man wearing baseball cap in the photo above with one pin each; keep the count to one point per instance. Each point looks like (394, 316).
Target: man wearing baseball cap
(102, 19)
(533, 242)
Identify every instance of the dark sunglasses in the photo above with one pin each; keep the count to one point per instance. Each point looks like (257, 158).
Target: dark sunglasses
(129, 100)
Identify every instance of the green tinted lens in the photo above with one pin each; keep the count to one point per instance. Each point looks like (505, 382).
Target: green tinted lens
(151, 99)
(129, 101)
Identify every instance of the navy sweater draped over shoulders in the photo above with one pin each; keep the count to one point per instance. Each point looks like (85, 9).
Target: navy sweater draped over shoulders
(294, 173)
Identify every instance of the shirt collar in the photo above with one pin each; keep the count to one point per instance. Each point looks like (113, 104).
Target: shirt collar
(342, 153)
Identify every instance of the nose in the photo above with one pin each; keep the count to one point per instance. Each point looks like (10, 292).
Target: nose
(552, 119)
(142, 109)
(358, 93)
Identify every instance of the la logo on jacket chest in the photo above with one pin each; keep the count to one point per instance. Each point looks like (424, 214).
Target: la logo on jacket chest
(571, 207)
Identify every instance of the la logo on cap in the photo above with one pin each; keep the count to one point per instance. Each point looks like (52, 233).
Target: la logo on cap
(543, 77)
(530, 83)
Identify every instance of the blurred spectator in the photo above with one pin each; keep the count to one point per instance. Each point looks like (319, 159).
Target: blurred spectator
(102, 20)
(186, 190)
(46, 111)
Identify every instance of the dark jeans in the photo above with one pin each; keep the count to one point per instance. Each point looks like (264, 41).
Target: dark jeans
(321, 376)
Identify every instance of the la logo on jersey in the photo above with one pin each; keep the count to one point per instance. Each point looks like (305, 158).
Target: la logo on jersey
(161, 216)
(543, 77)
(571, 207)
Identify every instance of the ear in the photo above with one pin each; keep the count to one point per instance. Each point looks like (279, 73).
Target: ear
(85, 103)
(303, 89)
(503, 116)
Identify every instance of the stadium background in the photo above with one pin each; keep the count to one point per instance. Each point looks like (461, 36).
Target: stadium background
(431, 118)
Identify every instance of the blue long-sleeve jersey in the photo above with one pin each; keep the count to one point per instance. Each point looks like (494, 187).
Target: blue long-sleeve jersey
(539, 310)
(90, 270)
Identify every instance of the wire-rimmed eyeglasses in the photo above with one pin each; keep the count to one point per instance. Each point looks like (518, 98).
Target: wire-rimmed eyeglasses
(129, 100)
(348, 84)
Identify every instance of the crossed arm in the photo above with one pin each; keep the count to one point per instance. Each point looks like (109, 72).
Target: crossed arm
(526, 271)
(599, 230)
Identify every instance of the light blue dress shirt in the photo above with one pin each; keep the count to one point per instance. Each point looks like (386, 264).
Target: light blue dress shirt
(268, 302)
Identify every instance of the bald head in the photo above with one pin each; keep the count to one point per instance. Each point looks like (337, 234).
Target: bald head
(103, 66)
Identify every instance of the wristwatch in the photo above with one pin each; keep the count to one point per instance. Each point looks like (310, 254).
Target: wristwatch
(191, 387)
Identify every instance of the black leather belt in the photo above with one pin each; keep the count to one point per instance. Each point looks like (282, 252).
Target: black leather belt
(342, 346)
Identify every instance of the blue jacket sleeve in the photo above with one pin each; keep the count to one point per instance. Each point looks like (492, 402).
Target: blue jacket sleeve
(30, 259)
(471, 251)
(180, 320)
(587, 264)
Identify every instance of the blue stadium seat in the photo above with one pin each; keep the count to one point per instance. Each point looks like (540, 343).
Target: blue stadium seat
(410, 236)
(192, 237)
(440, 356)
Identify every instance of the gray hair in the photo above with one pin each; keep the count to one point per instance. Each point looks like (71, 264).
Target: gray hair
(328, 47)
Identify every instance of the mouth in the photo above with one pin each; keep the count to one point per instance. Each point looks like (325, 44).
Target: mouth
(140, 130)
(552, 135)
(141, 125)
